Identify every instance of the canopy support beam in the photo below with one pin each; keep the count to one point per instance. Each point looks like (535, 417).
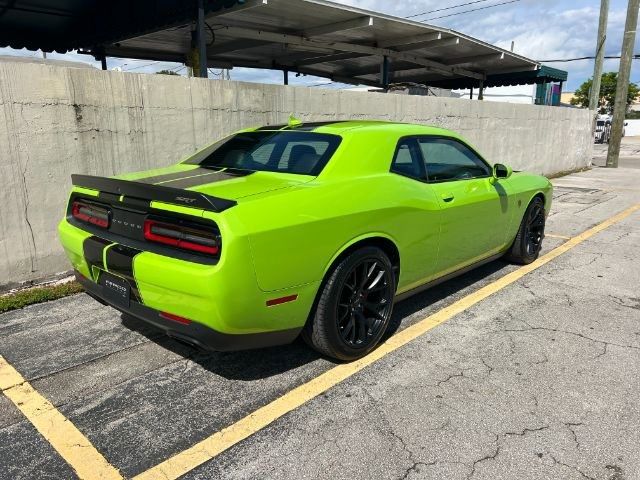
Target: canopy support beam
(347, 47)
(201, 43)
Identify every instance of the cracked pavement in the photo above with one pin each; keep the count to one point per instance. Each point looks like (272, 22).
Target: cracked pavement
(539, 381)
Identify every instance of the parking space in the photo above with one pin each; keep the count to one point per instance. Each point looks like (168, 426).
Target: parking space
(538, 380)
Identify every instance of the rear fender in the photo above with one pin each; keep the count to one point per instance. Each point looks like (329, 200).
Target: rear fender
(351, 243)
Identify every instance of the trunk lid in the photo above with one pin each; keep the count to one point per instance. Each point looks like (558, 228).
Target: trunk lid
(224, 183)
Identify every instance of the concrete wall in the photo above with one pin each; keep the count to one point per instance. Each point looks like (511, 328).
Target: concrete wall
(55, 121)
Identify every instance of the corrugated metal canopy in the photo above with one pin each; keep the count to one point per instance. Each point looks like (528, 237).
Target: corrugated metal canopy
(314, 37)
(329, 40)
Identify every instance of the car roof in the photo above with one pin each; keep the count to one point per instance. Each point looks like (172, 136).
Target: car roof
(342, 127)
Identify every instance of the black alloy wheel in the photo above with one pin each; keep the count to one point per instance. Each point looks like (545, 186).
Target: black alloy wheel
(534, 229)
(528, 242)
(365, 303)
(354, 305)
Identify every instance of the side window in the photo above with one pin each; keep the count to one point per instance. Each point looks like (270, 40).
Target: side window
(406, 161)
(447, 159)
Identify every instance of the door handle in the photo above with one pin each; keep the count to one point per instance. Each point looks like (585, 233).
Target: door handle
(448, 197)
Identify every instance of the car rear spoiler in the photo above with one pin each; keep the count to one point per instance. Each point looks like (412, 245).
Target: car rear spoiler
(145, 191)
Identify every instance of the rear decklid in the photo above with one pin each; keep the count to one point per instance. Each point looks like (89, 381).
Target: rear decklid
(112, 189)
(146, 217)
(163, 211)
(227, 183)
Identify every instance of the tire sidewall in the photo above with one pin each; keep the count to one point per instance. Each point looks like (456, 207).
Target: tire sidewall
(331, 295)
(527, 259)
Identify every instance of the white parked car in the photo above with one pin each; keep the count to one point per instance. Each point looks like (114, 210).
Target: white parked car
(603, 128)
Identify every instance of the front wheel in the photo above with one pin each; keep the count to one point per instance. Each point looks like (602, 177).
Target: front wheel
(528, 243)
(354, 307)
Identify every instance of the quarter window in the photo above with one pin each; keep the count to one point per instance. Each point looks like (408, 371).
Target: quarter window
(447, 159)
(407, 161)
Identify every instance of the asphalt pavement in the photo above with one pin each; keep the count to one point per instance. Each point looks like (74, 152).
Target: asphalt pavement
(540, 380)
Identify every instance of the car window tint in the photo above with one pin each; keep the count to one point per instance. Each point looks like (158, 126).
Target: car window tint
(447, 159)
(263, 153)
(302, 153)
(405, 161)
(295, 150)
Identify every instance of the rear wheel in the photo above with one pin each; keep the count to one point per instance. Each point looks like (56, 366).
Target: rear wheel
(528, 243)
(354, 307)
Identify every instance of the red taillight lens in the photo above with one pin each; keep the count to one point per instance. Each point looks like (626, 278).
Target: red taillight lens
(186, 238)
(89, 213)
(175, 318)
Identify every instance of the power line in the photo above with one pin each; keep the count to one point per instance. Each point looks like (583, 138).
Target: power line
(320, 84)
(446, 8)
(470, 11)
(608, 57)
(139, 66)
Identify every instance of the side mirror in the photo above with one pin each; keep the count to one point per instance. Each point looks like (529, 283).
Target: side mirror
(501, 171)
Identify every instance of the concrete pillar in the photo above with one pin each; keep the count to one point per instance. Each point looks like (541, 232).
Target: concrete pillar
(201, 43)
(385, 72)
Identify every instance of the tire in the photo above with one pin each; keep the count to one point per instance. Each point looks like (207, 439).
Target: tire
(528, 243)
(354, 306)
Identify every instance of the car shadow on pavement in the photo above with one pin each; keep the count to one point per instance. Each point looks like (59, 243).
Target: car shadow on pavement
(450, 288)
(246, 365)
(251, 365)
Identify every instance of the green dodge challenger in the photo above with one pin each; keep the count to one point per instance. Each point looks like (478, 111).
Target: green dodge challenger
(311, 229)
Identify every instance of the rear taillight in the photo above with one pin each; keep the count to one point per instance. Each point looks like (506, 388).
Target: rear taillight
(89, 213)
(175, 318)
(186, 238)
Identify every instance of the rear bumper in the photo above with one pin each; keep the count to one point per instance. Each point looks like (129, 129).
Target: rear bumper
(193, 333)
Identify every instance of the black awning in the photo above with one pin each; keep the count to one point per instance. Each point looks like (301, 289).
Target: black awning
(64, 25)
(529, 77)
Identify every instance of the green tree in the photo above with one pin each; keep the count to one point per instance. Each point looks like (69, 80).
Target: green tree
(167, 72)
(607, 93)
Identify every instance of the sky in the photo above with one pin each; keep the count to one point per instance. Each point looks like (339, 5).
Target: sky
(541, 30)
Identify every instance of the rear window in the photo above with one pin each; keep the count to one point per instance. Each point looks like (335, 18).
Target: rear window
(302, 153)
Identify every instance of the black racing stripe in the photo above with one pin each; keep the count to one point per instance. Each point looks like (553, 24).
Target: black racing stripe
(93, 249)
(212, 177)
(109, 197)
(119, 261)
(302, 127)
(308, 127)
(138, 203)
(113, 199)
(272, 127)
(173, 176)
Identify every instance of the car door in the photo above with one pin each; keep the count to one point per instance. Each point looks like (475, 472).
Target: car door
(418, 227)
(475, 212)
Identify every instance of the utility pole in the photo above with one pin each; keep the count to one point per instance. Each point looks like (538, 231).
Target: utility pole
(622, 89)
(594, 97)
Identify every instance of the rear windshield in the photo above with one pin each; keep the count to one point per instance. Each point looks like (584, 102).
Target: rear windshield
(302, 153)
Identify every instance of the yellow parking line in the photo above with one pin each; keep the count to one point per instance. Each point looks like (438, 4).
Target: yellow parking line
(68, 441)
(226, 438)
(554, 235)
